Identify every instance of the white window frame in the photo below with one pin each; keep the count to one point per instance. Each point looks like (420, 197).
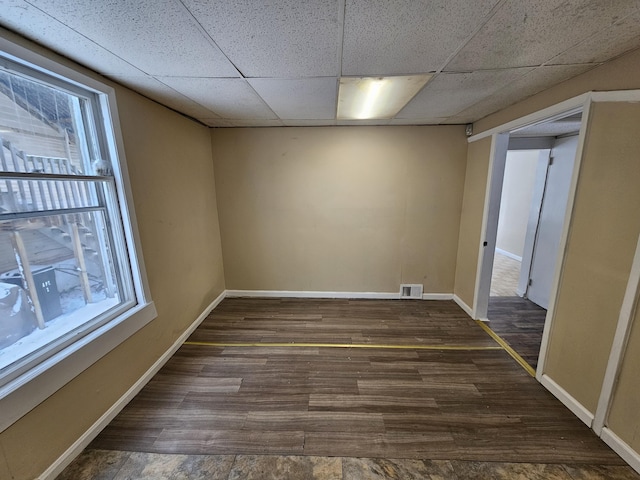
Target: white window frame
(26, 391)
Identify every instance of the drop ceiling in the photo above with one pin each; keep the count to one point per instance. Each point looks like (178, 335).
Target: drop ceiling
(278, 62)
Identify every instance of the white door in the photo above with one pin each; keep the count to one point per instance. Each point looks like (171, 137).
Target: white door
(552, 216)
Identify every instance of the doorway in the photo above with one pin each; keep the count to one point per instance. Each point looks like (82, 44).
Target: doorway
(534, 196)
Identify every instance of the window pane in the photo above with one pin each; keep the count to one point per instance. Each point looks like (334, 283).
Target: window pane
(41, 195)
(58, 275)
(35, 119)
(64, 267)
(43, 130)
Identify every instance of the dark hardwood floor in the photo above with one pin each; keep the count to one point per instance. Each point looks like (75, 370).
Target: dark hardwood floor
(520, 323)
(420, 380)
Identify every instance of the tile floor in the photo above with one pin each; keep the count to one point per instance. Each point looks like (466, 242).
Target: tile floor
(504, 276)
(118, 465)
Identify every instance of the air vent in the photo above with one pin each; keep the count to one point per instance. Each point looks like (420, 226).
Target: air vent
(411, 290)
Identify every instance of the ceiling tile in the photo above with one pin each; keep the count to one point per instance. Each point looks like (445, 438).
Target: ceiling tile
(158, 36)
(413, 121)
(620, 37)
(379, 121)
(536, 81)
(226, 97)
(158, 91)
(243, 122)
(307, 123)
(449, 93)
(291, 50)
(530, 33)
(299, 98)
(397, 37)
(279, 38)
(36, 25)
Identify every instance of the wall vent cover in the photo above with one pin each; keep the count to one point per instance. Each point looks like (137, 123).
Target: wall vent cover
(411, 290)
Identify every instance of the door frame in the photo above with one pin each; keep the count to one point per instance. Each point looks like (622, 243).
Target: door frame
(597, 420)
(499, 146)
(497, 162)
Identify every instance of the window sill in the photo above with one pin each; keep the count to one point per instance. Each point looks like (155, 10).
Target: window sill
(26, 392)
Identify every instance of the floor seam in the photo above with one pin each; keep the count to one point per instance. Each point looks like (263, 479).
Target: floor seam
(507, 348)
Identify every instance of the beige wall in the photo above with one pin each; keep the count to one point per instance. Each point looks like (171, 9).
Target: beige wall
(515, 203)
(169, 159)
(601, 241)
(475, 186)
(600, 248)
(623, 417)
(620, 74)
(358, 209)
(355, 209)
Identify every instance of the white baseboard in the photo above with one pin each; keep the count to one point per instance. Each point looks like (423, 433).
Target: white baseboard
(437, 296)
(571, 403)
(468, 310)
(74, 450)
(622, 448)
(508, 254)
(309, 294)
(321, 294)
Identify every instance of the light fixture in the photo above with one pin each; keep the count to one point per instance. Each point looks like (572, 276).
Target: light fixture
(362, 98)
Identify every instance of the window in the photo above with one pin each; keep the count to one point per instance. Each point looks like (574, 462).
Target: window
(69, 270)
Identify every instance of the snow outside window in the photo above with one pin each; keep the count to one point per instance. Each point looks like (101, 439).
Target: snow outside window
(64, 258)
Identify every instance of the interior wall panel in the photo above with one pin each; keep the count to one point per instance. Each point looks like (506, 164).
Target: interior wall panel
(623, 414)
(600, 248)
(475, 187)
(356, 209)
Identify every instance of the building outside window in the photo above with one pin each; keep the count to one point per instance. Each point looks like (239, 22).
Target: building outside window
(67, 263)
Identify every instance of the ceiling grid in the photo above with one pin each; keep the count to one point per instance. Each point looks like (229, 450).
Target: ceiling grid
(248, 63)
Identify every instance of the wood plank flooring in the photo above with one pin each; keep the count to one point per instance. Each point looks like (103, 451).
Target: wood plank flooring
(520, 323)
(476, 404)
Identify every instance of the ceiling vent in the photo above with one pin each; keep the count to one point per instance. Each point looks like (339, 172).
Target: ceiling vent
(411, 290)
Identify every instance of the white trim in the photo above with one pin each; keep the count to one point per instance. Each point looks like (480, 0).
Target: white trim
(620, 340)
(616, 96)
(18, 49)
(329, 294)
(467, 309)
(562, 249)
(489, 229)
(115, 143)
(560, 109)
(571, 403)
(74, 450)
(508, 254)
(310, 294)
(622, 448)
(437, 296)
(23, 393)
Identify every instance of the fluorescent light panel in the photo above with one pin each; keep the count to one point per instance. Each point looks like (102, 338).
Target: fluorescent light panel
(362, 98)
